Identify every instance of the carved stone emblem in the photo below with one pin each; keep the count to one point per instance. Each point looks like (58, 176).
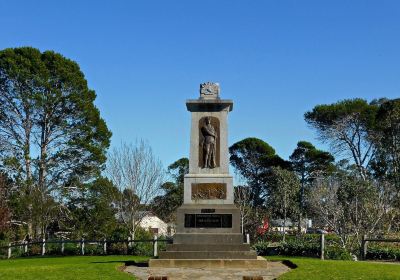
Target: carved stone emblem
(208, 191)
(209, 90)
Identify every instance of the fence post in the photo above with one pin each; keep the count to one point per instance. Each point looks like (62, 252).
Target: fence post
(43, 247)
(9, 251)
(364, 247)
(62, 246)
(105, 246)
(248, 238)
(155, 252)
(322, 246)
(25, 246)
(129, 242)
(83, 246)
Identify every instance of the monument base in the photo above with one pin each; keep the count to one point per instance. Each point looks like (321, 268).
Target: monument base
(259, 263)
(208, 218)
(208, 232)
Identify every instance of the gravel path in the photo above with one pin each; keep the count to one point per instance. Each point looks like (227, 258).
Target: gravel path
(272, 272)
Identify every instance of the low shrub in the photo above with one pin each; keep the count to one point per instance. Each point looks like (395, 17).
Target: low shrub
(307, 247)
(383, 253)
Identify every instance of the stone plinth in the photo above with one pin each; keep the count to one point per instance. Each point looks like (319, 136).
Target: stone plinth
(209, 263)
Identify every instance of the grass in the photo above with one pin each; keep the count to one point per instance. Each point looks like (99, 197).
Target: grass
(66, 268)
(106, 268)
(309, 268)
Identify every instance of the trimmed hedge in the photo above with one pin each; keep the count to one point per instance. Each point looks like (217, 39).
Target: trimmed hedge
(385, 253)
(306, 245)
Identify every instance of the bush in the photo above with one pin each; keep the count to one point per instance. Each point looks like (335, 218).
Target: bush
(306, 245)
(71, 249)
(93, 249)
(261, 248)
(143, 248)
(379, 253)
(337, 253)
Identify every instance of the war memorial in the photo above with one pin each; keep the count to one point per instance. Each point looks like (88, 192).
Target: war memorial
(208, 223)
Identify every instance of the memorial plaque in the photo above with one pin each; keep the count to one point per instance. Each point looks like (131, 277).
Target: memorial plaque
(207, 210)
(209, 191)
(208, 220)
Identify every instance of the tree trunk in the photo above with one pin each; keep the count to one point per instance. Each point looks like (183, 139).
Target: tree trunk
(42, 174)
(284, 216)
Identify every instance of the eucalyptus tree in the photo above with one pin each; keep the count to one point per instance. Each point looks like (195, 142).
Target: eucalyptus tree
(52, 137)
(5, 211)
(388, 144)
(348, 126)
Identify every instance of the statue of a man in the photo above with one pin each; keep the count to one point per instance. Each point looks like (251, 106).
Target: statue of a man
(209, 144)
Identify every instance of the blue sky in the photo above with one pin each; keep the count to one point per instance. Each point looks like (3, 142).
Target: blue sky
(275, 59)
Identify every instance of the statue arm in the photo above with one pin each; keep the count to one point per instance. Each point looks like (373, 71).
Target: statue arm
(210, 131)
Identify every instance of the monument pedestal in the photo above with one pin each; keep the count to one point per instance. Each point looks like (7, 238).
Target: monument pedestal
(208, 230)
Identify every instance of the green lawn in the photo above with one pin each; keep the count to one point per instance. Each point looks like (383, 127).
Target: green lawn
(316, 269)
(66, 268)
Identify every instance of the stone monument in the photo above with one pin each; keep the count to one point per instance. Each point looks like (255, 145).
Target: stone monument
(208, 222)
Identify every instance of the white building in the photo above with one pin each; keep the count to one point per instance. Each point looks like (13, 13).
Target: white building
(154, 224)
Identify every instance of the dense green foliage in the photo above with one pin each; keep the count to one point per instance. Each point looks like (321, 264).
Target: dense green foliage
(164, 206)
(52, 138)
(383, 253)
(253, 159)
(303, 245)
(357, 195)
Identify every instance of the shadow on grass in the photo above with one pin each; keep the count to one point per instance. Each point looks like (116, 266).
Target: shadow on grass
(289, 264)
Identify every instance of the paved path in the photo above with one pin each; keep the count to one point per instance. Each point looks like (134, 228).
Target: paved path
(273, 271)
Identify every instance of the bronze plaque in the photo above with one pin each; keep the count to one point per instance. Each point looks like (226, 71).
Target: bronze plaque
(208, 191)
(208, 220)
(209, 142)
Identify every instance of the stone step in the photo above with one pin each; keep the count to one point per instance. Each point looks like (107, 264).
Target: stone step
(208, 238)
(177, 263)
(208, 247)
(208, 255)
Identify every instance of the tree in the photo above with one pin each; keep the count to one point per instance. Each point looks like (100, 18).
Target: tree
(309, 163)
(165, 205)
(52, 137)
(93, 212)
(138, 175)
(242, 196)
(388, 144)
(348, 126)
(5, 212)
(283, 199)
(349, 205)
(252, 159)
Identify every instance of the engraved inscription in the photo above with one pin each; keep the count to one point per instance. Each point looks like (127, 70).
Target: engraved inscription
(207, 210)
(208, 220)
(208, 191)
